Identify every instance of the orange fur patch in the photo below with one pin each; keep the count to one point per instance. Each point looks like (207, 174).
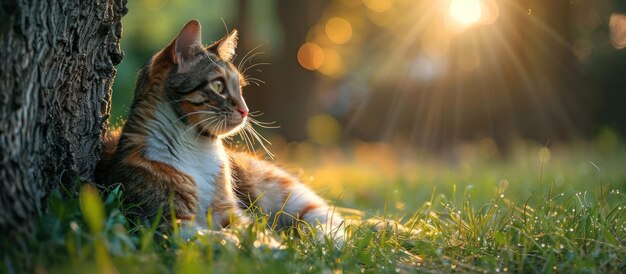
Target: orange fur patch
(189, 108)
(306, 209)
(160, 170)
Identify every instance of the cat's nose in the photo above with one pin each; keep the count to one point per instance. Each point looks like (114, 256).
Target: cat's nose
(243, 111)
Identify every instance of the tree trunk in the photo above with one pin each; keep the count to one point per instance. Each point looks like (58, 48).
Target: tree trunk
(56, 62)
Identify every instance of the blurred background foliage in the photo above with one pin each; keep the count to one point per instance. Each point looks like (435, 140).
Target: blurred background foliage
(428, 74)
(438, 113)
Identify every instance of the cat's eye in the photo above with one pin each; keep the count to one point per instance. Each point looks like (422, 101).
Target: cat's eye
(217, 86)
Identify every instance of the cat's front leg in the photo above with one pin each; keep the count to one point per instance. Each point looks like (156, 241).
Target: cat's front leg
(225, 213)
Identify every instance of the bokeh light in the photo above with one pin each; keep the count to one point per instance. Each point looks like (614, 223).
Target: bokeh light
(338, 30)
(382, 19)
(332, 62)
(310, 56)
(324, 129)
(617, 23)
(378, 5)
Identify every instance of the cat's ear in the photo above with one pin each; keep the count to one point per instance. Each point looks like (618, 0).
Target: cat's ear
(225, 47)
(187, 43)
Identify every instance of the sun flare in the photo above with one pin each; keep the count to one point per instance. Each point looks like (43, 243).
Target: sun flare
(465, 12)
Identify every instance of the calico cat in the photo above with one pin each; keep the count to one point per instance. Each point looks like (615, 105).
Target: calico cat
(188, 97)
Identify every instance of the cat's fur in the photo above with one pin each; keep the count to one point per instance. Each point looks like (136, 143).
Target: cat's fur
(170, 152)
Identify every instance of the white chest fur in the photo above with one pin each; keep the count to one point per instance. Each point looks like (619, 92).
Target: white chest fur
(173, 143)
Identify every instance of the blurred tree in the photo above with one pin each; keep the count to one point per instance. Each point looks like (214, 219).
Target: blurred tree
(57, 70)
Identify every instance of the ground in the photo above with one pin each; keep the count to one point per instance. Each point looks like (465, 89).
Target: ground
(531, 208)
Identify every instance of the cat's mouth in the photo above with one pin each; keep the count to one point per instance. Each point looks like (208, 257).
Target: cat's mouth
(224, 126)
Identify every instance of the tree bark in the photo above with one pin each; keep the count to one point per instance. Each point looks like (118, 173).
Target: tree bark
(56, 63)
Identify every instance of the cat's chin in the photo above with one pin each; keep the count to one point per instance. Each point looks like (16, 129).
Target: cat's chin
(231, 129)
(234, 130)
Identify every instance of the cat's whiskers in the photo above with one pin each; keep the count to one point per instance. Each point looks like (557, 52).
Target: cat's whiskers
(247, 56)
(196, 124)
(253, 80)
(260, 139)
(253, 66)
(244, 135)
(250, 135)
(257, 135)
(222, 124)
(203, 128)
(255, 113)
(269, 125)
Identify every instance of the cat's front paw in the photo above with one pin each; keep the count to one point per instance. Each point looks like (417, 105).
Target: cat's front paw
(331, 233)
(189, 231)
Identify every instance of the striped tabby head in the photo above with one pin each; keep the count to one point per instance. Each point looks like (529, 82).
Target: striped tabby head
(200, 83)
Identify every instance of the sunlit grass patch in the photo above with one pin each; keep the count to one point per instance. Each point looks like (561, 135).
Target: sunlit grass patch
(469, 210)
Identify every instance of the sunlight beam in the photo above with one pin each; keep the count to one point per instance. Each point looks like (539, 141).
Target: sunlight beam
(465, 12)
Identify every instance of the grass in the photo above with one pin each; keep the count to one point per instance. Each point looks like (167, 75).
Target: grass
(539, 209)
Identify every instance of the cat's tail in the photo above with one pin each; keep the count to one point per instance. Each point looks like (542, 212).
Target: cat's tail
(109, 147)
